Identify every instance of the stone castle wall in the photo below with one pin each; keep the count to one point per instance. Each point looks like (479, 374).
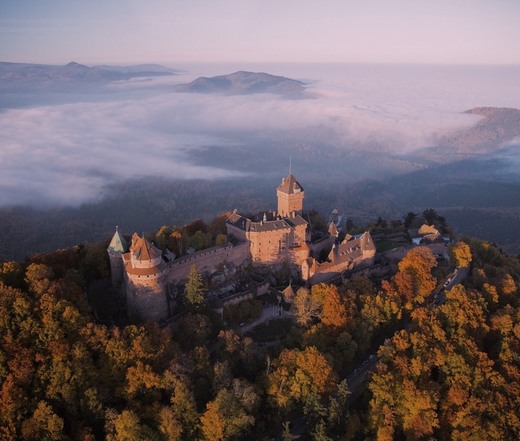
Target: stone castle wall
(273, 246)
(206, 260)
(267, 246)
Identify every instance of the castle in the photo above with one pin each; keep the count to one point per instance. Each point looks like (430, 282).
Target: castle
(148, 279)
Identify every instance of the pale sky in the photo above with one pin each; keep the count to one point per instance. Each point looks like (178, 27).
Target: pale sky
(170, 31)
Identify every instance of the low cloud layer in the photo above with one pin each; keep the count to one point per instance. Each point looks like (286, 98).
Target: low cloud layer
(67, 153)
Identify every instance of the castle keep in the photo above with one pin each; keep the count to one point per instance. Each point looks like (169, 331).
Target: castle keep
(147, 278)
(277, 236)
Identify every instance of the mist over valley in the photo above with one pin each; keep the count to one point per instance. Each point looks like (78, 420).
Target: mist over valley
(140, 147)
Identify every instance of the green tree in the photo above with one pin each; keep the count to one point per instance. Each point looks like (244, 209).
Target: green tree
(409, 218)
(221, 239)
(195, 290)
(430, 216)
(200, 240)
(337, 412)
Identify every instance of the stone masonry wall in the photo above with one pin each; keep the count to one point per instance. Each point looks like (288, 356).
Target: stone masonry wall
(206, 260)
(116, 269)
(146, 299)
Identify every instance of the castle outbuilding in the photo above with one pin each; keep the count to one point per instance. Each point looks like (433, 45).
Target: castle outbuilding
(348, 254)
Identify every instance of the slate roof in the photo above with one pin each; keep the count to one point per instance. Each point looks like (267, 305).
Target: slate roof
(239, 221)
(290, 185)
(269, 226)
(118, 244)
(296, 220)
(353, 248)
(246, 224)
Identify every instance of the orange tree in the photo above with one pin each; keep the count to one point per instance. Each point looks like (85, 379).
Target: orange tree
(414, 280)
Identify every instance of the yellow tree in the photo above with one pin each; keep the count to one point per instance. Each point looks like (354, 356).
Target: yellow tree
(334, 310)
(39, 276)
(178, 421)
(507, 286)
(43, 424)
(460, 254)
(413, 280)
(229, 415)
(11, 273)
(127, 426)
(298, 375)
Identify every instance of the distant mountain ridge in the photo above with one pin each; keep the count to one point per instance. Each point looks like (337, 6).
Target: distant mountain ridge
(14, 76)
(499, 125)
(244, 83)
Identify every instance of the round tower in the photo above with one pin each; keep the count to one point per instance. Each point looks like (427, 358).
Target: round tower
(146, 281)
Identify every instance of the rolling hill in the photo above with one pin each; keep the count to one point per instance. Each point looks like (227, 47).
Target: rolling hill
(244, 83)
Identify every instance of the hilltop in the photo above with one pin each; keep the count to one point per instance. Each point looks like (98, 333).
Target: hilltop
(243, 83)
(39, 77)
(496, 127)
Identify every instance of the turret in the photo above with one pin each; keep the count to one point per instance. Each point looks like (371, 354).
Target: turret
(118, 246)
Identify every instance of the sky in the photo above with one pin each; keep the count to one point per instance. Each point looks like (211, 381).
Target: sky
(346, 31)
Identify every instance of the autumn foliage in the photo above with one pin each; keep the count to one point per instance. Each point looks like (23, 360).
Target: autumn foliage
(454, 373)
(448, 371)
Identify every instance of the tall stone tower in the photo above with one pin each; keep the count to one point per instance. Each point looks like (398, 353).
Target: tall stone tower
(146, 284)
(290, 196)
(118, 246)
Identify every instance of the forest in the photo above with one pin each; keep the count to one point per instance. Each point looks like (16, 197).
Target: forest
(448, 372)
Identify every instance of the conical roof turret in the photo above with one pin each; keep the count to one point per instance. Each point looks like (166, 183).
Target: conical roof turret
(118, 244)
